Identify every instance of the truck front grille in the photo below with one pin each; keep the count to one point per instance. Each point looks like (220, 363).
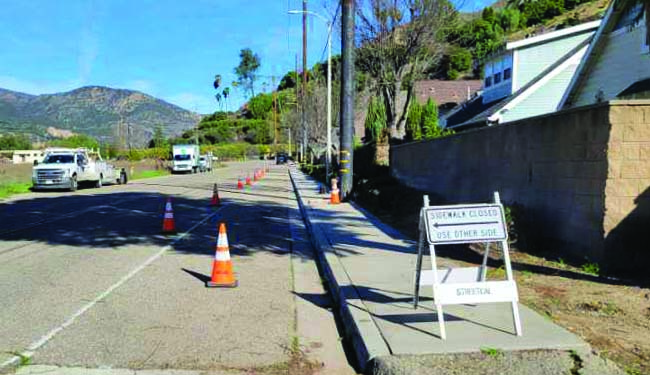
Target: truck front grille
(54, 175)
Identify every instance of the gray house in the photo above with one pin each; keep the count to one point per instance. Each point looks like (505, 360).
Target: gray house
(528, 78)
(617, 63)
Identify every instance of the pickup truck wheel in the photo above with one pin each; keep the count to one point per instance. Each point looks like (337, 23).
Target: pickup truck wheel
(98, 183)
(73, 183)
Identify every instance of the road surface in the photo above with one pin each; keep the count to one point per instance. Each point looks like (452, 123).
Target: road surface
(87, 280)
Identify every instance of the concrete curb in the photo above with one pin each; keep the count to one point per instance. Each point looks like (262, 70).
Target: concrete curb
(359, 325)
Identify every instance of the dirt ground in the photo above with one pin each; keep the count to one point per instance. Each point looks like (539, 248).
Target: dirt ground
(15, 172)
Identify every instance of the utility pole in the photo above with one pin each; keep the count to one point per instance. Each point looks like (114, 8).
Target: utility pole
(347, 97)
(297, 107)
(304, 77)
(275, 114)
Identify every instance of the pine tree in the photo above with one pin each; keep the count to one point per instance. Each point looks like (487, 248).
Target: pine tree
(413, 130)
(430, 120)
(376, 121)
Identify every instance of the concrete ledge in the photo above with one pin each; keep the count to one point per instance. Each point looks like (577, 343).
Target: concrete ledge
(358, 323)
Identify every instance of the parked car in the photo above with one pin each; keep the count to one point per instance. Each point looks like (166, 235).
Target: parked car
(281, 158)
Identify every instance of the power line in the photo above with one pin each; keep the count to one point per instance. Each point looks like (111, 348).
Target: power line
(331, 30)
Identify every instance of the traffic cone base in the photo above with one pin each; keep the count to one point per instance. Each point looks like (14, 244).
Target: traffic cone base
(222, 272)
(334, 197)
(169, 226)
(215, 197)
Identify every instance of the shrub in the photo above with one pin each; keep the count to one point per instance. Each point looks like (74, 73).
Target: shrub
(413, 121)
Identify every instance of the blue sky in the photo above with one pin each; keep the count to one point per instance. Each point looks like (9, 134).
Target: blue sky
(170, 49)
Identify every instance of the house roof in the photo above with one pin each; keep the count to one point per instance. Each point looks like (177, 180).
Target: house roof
(547, 37)
(489, 109)
(637, 90)
(446, 92)
(612, 16)
(470, 110)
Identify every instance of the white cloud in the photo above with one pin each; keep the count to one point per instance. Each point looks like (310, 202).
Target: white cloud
(37, 87)
(88, 42)
(193, 102)
(88, 51)
(141, 85)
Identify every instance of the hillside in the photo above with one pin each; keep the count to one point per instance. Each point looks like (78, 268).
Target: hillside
(102, 112)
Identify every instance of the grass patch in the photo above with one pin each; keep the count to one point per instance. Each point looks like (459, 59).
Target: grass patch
(25, 360)
(149, 174)
(10, 188)
(591, 268)
(492, 352)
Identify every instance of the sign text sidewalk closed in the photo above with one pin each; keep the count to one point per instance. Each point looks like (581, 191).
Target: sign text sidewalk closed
(465, 224)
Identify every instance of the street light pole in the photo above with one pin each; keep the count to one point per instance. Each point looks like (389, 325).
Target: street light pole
(328, 155)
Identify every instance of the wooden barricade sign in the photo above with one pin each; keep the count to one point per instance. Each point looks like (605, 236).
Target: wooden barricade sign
(464, 224)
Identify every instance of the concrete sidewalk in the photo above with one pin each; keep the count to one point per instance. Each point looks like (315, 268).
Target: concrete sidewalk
(370, 268)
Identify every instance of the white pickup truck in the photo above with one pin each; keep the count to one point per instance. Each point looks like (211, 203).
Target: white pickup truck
(65, 168)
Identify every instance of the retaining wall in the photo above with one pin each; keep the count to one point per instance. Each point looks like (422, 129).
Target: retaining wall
(581, 177)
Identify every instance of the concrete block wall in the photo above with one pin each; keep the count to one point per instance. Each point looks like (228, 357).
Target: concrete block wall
(627, 188)
(578, 174)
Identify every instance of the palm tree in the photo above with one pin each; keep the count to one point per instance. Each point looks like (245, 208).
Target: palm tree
(218, 97)
(226, 94)
(217, 81)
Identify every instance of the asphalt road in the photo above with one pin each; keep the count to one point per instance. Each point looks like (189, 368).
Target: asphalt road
(87, 279)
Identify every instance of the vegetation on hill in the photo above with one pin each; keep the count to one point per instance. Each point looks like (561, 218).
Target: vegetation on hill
(121, 117)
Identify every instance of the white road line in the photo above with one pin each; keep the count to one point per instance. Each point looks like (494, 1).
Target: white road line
(33, 347)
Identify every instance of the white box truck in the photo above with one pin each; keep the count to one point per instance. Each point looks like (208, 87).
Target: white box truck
(185, 158)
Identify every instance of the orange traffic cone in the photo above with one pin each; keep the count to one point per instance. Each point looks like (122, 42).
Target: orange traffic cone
(215, 196)
(240, 184)
(248, 180)
(256, 176)
(334, 196)
(169, 225)
(222, 275)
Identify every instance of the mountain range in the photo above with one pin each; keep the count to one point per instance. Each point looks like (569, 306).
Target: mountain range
(111, 115)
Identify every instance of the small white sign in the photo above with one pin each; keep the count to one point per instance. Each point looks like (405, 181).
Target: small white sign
(465, 224)
(481, 292)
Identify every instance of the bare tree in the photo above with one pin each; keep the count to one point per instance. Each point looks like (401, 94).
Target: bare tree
(399, 39)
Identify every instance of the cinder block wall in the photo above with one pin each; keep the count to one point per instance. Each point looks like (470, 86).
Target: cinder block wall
(627, 188)
(581, 175)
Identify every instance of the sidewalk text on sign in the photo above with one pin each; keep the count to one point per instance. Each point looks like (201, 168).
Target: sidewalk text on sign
(465, 224)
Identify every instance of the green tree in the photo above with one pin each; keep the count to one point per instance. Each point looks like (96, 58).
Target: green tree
(218, 97)
(260, 106)
(510, 19)
(249, 63)
(429, 119)
(15, 142)
(158, 139)
(226, 94)
(375, 125)
(460, 60)
(413, 121)
(76, 141)
(399, 41)
(429, 124)
(289, 81)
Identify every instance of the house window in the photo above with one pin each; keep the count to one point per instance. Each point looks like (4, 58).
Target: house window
(488, 82)
(497, 78)
(507, 74)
